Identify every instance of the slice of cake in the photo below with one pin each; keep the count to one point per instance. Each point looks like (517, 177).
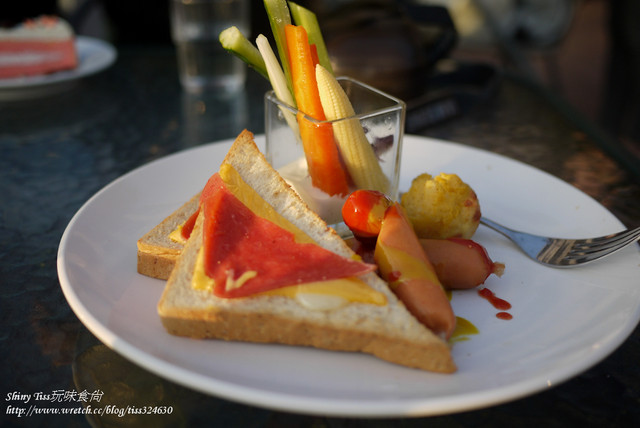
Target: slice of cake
(37, 46)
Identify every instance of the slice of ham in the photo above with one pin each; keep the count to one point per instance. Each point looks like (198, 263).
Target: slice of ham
(238, 242)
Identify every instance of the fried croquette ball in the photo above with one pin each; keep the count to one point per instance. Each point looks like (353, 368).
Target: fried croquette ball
(442, 207)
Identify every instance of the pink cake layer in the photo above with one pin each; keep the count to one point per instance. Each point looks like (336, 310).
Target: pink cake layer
(28, 58)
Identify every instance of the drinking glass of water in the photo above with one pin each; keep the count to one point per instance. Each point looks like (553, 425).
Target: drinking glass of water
(202, 62)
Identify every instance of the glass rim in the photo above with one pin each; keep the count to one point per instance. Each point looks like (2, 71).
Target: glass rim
(398, 104)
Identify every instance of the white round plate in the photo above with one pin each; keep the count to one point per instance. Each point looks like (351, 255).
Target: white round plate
(94, 55)
(564, 320)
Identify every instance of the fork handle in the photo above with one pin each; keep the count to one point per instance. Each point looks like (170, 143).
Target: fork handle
(498, 228)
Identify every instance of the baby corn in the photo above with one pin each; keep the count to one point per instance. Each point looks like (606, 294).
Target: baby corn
(357, 154)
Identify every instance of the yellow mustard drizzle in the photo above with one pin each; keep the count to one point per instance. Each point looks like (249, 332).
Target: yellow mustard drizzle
(412, 267)
(464, 329)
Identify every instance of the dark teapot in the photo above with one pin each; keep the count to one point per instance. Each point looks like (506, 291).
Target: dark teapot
(391, 45)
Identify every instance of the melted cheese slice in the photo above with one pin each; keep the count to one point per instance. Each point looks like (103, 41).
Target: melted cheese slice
(252, 200)
(321, 295)
(176, 235)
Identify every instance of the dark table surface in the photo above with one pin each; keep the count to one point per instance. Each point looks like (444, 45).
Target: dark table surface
(58, 150)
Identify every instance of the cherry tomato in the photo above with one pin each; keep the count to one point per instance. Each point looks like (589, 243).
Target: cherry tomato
(363, 212)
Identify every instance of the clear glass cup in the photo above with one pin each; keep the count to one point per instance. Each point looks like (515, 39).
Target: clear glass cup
(203, 64)
(382, 118)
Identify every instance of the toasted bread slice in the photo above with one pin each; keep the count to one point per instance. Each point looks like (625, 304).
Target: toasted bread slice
(389, 331)
(157, 253)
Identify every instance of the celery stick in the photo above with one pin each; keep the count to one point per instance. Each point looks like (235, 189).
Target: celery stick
(279, 17)
(235, 42)
(307, 19)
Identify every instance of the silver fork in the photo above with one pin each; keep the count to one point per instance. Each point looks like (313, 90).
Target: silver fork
(558, 252)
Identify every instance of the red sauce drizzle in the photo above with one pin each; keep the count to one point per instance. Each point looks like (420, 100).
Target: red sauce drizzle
(498, 303)
(504, 316)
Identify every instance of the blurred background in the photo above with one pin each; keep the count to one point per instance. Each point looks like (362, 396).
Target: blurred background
(587, 51)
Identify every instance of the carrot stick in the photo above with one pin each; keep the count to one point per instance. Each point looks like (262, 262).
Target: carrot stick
(314, 55)
(321, 152)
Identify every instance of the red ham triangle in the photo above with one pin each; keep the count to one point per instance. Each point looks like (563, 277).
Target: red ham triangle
(236, 241)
